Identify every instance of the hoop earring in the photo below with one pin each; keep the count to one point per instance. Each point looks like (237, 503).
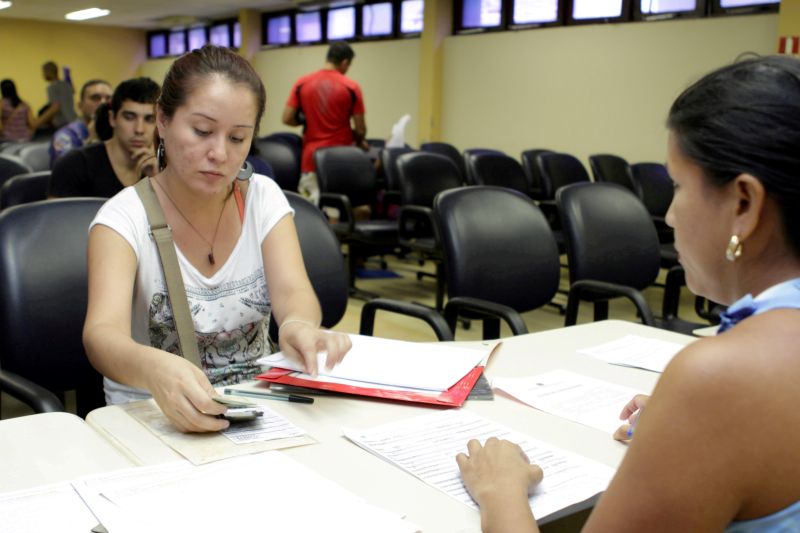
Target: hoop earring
(161, 155)
(734, 249)
(246, 172)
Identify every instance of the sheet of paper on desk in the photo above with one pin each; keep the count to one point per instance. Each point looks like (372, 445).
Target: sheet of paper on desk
(271, 432)
(47, 508)
(261, 492)
(637, 352)
(428, 366)
(426, 446)
(588, 401)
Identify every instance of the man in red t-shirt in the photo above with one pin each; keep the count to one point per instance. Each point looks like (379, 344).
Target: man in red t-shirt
(325, 102)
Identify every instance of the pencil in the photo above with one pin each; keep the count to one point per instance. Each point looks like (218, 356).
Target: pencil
(295, 398)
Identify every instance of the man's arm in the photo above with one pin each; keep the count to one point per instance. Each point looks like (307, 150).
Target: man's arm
(359, 129)
(48, 113)
(290, 116)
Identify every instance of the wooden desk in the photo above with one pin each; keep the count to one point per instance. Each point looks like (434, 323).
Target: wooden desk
(391, 488)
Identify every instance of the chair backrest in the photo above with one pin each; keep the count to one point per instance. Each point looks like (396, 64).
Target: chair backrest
(497, 246)
(423, 175)
(389, 158)
(294, 141)
(449, 151)
(469, 162)
(499, 170)
(611, 168)
(36, 155)
(557, 170)
(609, 235)
(11, 166)
(346, 170)
(654, 187)
(531, 169)
(283, 160)
(323, 259)
(44, 280)
(24, 189)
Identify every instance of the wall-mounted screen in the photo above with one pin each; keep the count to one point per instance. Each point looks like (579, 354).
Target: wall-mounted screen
(481, 13)
(377, 19)
(279, 30)
(535, 12)
(177, 42)
(341, 23)
(197, 38)
(308, 27)
(220, 35)
(412, 16)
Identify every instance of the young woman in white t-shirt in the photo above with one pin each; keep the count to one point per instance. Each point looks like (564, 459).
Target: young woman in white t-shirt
(237, 249)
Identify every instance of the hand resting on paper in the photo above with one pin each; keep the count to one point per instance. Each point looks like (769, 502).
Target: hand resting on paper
(184, 394)
(303, 342)
(631, 413)
(500, 478)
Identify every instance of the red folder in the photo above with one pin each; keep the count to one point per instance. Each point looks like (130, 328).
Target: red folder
(452, 397)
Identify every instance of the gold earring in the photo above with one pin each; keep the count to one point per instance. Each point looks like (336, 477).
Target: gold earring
(734, 249)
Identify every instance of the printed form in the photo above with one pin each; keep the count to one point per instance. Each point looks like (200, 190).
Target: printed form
(591, 402)
(637, 352)
(426, 446)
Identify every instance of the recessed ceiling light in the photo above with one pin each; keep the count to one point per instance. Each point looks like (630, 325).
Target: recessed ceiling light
(86, 14)
(4, 4)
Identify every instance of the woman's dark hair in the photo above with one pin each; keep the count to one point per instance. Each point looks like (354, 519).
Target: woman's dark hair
(745, 119)
(9, 90)
(102, 126)
(193, 67)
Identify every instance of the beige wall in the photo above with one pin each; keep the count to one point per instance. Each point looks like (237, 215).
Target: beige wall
(586, 89)
(113, 54)
(386, 70)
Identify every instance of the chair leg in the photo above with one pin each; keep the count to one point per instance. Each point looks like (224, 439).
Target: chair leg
(352, 266)
(491, 328)
(600, 310)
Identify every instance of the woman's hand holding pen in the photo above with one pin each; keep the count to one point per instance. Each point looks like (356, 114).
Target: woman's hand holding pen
(302, 341)
(631, 413)
(184, 394)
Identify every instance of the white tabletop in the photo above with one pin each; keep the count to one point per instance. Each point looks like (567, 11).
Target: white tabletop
(389, 487)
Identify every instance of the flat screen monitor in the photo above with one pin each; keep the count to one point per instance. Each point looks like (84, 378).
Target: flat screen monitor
(341, 23)
(412, 16)
(220, 35)
(158, 44)
(535, 12)
(279, 30)
(744, 6)
(584, 11)
(308, 27)
(177, 42)
(197, 38)
(476, 14)
(237, 35)
(662, 9)
(377, 19)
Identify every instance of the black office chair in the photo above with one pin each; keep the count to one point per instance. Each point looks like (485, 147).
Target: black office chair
(10, 166)
(283, 160)
(609, 168)
(613, 251)
(500, 256)
(24, 188)
(469, 162)
(294, 141)
(531, 169)
(387, 178)
(449, 151)
(499, 170)
(654, 187)
(347, 180)
(44, 280)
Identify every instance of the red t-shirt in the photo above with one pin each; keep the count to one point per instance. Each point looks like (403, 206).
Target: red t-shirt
(328, 98)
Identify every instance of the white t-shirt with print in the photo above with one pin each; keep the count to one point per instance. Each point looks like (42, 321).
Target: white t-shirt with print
(230, 310)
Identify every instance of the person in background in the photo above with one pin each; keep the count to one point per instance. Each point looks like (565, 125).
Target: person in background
(325, 102)
(16, 118)
(81, 130)
(716, 447)
(239, 255)
(103, 169)
(60, 109)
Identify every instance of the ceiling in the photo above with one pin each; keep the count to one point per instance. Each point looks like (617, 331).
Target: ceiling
(142, 14)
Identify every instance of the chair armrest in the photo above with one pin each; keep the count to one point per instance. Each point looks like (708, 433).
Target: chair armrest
(431, 317)
(342, 203)
(464, 303)
(35, 396)
(580, 290)
(410, 218)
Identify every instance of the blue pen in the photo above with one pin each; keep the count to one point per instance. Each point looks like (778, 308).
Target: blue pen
(633, 424)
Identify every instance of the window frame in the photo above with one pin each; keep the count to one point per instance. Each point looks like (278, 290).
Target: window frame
(700, 10)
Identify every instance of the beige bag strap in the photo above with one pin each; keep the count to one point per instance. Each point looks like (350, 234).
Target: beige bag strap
(162, 234)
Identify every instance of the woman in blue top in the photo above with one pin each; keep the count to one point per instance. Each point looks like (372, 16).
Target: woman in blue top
(719, 443)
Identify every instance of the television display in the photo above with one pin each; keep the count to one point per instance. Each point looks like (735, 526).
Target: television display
(341, 23)
(660, 9)
(220, 35)
(481, 13)
(587, 11)
(177, 42)
(237, 35)
(735, 7)
(158, 45)
(308, 27)
(412, 16)
(279, 30)
(746, 3)
(535, 12)
(377, 19)
(197, 38)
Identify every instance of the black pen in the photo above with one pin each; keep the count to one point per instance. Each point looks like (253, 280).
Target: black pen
(270, 396)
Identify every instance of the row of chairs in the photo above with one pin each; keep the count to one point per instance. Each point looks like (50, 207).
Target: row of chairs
(33, 154)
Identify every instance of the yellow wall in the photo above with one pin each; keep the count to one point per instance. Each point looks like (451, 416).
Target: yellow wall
(585, 89)
(789, 18)
(113, 54)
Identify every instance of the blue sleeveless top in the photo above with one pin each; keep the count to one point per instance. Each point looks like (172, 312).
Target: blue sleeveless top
(782, 296)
